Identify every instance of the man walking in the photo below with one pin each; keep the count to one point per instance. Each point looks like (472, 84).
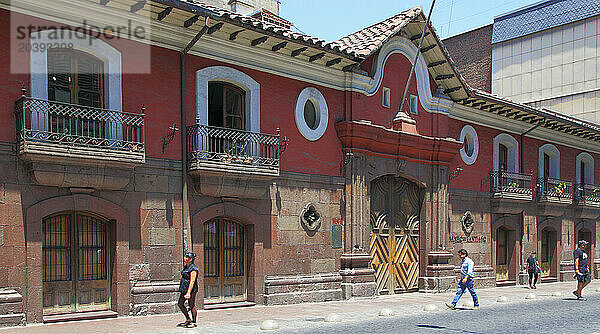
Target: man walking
(533, 269)
(466, 280)
(582, 271)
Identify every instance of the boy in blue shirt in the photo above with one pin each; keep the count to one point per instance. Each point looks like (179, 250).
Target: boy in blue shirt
(466, 280)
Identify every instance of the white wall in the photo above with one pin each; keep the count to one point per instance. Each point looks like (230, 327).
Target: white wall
(557, 68)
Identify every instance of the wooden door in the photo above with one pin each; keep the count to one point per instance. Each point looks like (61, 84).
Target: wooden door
(394, 246)
(74, 263)
(546, 256)
(224, 262)
(502, 255)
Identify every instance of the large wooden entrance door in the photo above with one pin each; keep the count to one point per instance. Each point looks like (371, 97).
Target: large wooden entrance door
(74, 263)
(548, 253)
(395, 208)
(502, 255)
(224, 262)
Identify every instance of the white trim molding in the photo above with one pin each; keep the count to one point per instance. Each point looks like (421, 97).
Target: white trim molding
(322, 118)
(588, 160)
(234, 77)
(111, 57)
(554, 155)
(400, 45)
(469, 131)
(98, 48)
(513, 152)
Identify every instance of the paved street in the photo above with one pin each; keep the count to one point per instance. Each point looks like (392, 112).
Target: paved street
(546, 313)
(560, 315)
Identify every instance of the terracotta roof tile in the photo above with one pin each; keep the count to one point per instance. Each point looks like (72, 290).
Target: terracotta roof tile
(368, 40)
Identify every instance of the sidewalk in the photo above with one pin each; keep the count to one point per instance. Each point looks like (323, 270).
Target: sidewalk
(248, 320)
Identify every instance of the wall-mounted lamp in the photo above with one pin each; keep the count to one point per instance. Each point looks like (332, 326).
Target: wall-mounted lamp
(455, 173)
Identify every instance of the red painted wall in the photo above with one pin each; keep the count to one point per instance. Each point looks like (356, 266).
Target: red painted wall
(396, 72)
(472, 175)
(159, 92)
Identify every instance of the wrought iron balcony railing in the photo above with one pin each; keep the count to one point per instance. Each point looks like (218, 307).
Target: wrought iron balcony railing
(516, 184)
(223, 149)
(587, 193)
(53, 127)
(549, 187)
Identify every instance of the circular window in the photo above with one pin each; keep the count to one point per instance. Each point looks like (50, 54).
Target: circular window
(311, 113)
(470, 148)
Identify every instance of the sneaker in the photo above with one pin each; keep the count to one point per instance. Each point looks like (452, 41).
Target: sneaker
(534, 287)
(450, 306)
(576, 295)
(476, 307)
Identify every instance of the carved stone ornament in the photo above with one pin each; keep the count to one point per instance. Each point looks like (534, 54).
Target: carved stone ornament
(467, 223)
(310, 218)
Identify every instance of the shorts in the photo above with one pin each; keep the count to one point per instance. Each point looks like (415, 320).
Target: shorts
(584, 278)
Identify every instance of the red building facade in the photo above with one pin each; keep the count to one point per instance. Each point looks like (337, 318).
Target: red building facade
(295, 176)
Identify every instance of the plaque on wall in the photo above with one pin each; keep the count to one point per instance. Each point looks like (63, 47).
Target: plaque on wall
(336, 236)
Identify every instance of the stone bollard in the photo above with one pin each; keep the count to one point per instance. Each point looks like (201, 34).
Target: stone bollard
(597, 289)
(430, 308)
(386, 312)
(333, 317)
(269, 325)
(531, 296)
(502, 299)
(557, 294)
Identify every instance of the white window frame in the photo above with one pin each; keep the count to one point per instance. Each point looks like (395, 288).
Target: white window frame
(414, 104)
(236, 78)
(468, 130)
(318, 100)
(588, 160)
(386, 97)
(554, 154)
(113, 92)
(513, 152)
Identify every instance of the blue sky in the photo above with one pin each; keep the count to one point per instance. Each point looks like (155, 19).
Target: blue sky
(333, 19)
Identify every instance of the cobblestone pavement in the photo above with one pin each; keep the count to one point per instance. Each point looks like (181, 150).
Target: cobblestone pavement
(309, 317)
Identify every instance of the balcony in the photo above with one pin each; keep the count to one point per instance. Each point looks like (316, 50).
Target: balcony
(555, 190)
(509, 190)
(587, 201)
(232, 163)
(553, 196)
(68, 145)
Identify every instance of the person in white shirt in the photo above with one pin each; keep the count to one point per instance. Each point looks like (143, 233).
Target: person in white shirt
(466, 280)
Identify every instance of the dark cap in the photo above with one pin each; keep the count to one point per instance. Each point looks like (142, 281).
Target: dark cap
(190, 255)
(582, 242)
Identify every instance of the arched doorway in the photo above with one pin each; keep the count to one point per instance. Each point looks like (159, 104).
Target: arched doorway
(75, 258)
(394, 246)
(548, 255)
(502, 254)
(224, 261)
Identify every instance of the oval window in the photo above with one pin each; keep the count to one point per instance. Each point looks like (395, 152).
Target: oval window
(470, 148)
(310, 115)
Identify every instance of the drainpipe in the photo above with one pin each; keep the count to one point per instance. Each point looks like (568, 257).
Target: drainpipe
(185, 207)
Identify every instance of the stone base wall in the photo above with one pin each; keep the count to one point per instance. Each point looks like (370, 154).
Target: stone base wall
(154, 298)
(11, 308)
(358, 283)
(566, 271)
(437, 284)
(301, 289)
